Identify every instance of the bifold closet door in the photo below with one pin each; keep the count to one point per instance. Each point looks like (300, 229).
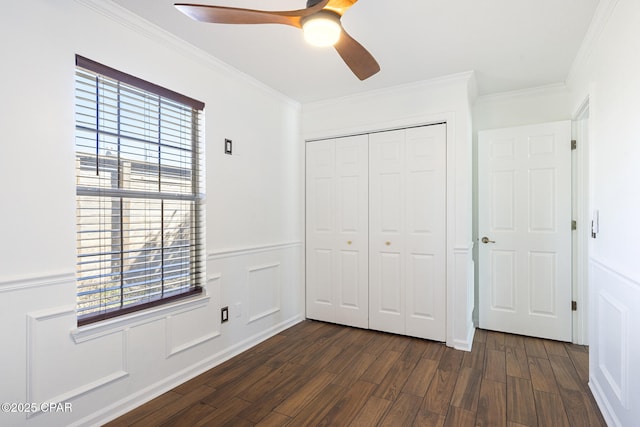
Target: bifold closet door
(337, 231)
(407, 232)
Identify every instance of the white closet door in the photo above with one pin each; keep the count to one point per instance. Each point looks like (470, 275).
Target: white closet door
(337, 231)
(407, 249)
(386, 240)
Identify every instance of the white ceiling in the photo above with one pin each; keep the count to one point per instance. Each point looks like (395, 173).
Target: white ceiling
(510, 44)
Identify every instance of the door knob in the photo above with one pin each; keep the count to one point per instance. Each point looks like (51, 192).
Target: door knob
(348, 242)
(486, 240)
(387, 243)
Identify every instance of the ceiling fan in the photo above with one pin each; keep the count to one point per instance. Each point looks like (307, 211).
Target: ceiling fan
(320, 21)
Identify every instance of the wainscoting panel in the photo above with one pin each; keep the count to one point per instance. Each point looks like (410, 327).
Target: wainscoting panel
(261, 284)
(264, 290)
(190, 328)
(613, 369)
(58, 369)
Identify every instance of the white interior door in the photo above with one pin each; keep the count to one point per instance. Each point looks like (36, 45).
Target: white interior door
(337, 231)
(524, 225)
(407, 233)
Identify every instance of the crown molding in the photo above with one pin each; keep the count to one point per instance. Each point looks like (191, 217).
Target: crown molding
(136, 23)
(554, 88)
(466, 78)
(599, 21)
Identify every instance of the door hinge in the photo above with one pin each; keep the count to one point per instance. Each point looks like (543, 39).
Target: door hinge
(574, 144)
(574, 224)
(574, 306)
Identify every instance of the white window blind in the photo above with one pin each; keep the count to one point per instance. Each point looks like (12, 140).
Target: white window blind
(139, 193)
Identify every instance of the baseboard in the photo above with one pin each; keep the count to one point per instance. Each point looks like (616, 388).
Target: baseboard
(468, 342)
(603, 404)
(143, 396)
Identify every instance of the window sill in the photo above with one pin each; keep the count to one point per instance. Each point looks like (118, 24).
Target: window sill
(117, 324)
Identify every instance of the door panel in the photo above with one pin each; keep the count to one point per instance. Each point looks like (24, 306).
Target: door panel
(425, 232)
(407, 179)
(386, 278)
(337, 231)
(524, 193)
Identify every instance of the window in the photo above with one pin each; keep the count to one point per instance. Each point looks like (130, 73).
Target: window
(139, 193)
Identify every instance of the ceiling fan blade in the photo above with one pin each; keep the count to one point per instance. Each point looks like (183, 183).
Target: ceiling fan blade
(232, 15)
(357, 58)
(340, 6)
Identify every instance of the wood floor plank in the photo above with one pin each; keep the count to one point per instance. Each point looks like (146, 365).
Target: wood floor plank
(492, 404)
(467, 390)
(252, 390)
(580, 360)
(434, 351)
(392, 384)
(550, 410)
(344, 359)
(521, 406)
(352, 373)
(517, 362)
(458, 417)
(303, 395)
(475, 358)
(317, 373)
(402, 412)
(372, 412)
(274, 419)
(580, 410)
(542, 377)
(380, 367)
(397, 343)
(254, 369)
(349, 405)
(565, 373)
(451, 360)
(495, 341)
(514, 341)
(439, 394)
(422, 375)
(377, 344)
(535, 347)
(316, 409)
(352, 336)
(189, 416)
(415, 349)
(222, 415)
(286, 387)
(425, 418)
(480, 335)
(237, 422)
(319, 355)
(170, 409)
(145, 410)
(495, 366)
(556, 348)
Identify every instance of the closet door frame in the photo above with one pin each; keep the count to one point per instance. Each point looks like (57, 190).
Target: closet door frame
(460, 267)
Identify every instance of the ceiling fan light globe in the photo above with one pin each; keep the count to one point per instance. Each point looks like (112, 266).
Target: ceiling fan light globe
(322, 30)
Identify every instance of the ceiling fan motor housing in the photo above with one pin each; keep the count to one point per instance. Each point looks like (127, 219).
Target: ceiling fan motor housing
(311, 3)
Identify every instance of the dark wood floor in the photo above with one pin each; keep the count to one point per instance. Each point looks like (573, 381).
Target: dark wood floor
(322, 374)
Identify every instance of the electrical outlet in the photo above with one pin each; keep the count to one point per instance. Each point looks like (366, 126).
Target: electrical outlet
(224, 314)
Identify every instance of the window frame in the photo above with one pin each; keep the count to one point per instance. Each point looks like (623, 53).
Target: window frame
(196, 250)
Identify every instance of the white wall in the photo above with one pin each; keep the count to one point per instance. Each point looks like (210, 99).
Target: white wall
(441, 100)
(607, 73)
(253, 202)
